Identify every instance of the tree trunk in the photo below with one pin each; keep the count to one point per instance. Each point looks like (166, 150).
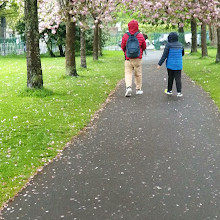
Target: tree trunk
(203, 40)
(100, 41)
(213, 35)
(70, 47)
(3, 27)
(181, 35)
(218, 46)
(61, 50)
(194, 35)
(96, 42)
(3, 34)
(83, 48)
(34, 70)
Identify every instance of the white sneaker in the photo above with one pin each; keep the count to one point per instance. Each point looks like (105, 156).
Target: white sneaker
(128, 92)
(139, 92)
(168, 92)
(179, 94)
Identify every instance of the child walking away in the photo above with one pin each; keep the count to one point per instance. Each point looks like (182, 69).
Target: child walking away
(133, 45)
(173, 53)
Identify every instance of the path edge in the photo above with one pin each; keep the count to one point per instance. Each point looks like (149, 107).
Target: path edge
(90, 125)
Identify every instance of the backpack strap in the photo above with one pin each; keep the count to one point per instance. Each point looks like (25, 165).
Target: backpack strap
(135, 34)
(128, 33)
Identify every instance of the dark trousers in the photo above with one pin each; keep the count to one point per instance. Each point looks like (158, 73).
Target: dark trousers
(174, 74)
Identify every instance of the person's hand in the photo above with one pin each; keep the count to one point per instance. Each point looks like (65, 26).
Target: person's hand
(158, 67)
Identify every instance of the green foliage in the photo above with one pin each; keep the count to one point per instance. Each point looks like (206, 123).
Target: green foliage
(148, 28)
(205, 72)
(10, 12)
(20, 28)
(89, 39)
(36, 124)
(60, 37)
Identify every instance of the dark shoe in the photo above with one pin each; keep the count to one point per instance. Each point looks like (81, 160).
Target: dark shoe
(168, 92)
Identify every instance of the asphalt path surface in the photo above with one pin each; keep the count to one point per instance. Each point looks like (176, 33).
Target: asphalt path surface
(147, 157)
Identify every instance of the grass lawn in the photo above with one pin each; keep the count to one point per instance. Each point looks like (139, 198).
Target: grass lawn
(36, 124)
(205, 72)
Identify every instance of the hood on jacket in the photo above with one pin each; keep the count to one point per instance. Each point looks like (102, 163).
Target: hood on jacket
(173, 37)
(133, 27)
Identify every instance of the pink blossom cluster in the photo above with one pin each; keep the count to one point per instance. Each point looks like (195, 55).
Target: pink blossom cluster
(176, 11)
(153, 11)
(52, 13)
(49, 16)
(101, 11)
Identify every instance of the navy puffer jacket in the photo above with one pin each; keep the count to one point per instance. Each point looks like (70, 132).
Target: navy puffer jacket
(173, 53)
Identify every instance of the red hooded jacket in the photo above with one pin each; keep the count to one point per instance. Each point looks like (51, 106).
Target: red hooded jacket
(133, 28)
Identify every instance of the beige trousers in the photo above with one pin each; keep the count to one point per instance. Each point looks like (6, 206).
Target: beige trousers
(133, 65)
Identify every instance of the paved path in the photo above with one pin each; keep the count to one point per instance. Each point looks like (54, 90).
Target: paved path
(148, 157)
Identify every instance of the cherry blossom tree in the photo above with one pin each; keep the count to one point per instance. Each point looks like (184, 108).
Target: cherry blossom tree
(206, 12)
(67, 11)
(49, 15)
(101, 11)
(83, 42)
(178, 12)
(73, 12)
(66, 8)
(194, 35)
(213, 35)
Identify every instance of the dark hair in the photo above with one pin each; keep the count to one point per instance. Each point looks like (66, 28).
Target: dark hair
(145, 36)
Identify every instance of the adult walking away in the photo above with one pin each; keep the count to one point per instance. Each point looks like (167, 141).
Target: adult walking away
(147, 43)
(173, 53)
(133, 62)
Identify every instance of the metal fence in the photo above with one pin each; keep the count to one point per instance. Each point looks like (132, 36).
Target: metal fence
(11, 48)
(155, 40)
(15, 46)
(113, 42)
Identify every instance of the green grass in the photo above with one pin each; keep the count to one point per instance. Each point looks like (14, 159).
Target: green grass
(36, 124)
(205, 72)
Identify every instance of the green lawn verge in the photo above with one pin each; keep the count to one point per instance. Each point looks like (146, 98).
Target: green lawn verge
(205, 72)
(36, 124)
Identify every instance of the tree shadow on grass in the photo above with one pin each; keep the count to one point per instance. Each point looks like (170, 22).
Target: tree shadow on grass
(38, 93)
(66, 77)
(214, 63)
(69, 77)
(99, 61)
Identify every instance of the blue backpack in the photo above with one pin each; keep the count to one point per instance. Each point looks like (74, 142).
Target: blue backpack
(132, 46)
